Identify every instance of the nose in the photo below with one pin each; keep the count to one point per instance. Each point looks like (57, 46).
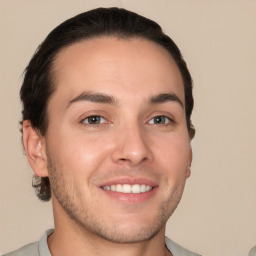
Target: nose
(132, 147)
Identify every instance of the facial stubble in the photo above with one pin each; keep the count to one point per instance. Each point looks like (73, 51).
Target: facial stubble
(71, 200)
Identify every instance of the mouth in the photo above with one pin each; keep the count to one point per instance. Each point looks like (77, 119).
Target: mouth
(128, 188)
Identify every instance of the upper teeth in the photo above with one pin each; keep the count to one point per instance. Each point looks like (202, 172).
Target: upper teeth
(126, 188)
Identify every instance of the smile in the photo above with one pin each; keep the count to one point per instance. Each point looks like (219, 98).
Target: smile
(127, 188)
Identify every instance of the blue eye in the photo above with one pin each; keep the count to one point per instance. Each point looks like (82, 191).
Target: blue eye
(94, 120)
(160, 120)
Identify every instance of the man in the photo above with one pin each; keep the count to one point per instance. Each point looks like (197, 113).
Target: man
(107, 100)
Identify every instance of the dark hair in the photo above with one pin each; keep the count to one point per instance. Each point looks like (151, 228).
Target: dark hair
(38, 85)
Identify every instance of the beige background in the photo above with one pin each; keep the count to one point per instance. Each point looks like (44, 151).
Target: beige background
(217, 215)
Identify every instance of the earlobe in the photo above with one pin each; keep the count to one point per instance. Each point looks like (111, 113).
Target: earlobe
(188, 171)
(34, 145)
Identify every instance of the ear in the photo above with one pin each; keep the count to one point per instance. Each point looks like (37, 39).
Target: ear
(34, 145)
(188, 171)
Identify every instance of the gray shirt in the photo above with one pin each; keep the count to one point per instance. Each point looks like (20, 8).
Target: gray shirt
(252, 251)
(40, 248)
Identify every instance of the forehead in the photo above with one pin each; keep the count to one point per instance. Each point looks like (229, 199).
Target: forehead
(112, 65)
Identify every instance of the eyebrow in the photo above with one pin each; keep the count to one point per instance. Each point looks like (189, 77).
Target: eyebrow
(105, 98)
(165, 97)
(94, 97)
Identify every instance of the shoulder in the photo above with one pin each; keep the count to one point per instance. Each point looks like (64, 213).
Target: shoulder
(252, 251)
(177, 250)
(27, 250)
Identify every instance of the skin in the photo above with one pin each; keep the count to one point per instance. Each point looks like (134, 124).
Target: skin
(127, 143)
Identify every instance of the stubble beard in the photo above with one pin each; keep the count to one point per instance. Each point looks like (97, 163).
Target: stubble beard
(70, 200)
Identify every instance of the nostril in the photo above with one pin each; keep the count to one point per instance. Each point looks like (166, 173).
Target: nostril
(132, 151)
(132, 161)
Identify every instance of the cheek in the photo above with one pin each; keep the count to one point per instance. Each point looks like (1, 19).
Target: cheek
(173, 155)
(78, 152)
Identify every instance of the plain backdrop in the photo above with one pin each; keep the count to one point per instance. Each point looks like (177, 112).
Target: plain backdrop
(217, 215)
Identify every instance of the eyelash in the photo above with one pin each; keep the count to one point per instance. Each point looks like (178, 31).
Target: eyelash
(86, 121)
(95, 117)
(168, 119)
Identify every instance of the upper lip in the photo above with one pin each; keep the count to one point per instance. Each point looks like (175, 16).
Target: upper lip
(129, 180)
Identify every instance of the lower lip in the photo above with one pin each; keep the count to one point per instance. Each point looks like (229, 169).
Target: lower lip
(131, 198)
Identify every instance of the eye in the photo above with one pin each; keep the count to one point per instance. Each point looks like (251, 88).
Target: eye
(91, 120)
(160, 120)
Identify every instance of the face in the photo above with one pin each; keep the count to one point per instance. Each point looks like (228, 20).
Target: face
(117, 145)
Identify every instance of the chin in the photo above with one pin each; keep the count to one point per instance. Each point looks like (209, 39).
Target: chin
(124, 230)
(130, 234)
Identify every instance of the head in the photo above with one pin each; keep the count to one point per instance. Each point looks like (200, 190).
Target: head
(125, 35)
(38, 85)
